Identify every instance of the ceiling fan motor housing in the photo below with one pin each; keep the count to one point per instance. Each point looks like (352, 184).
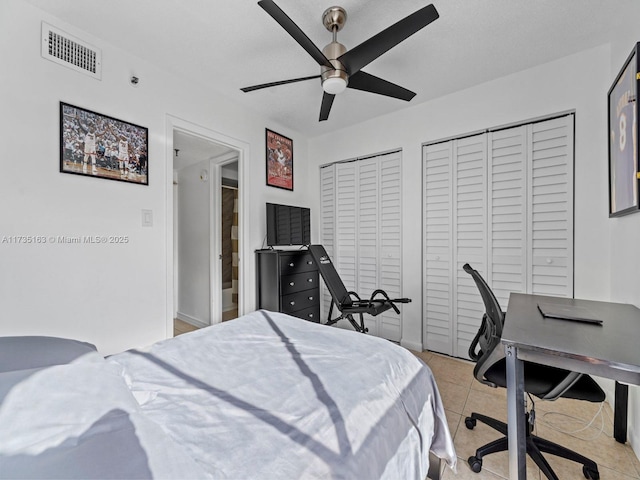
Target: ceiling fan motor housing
(337, 65)
(334, 80)
(332, 52)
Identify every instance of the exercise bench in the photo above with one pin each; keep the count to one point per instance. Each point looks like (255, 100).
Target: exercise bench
(349, 303)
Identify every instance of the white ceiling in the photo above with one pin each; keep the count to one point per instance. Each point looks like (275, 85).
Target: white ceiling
(229, 44)
(192, 149)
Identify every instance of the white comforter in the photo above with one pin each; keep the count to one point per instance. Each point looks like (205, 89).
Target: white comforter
(269, 396)
(80, 420)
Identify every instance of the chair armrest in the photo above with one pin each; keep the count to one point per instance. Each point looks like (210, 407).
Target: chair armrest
(473, 355)
(563, 386)
(485, 362)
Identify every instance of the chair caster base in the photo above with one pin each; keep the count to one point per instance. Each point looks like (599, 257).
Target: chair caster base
(475, 463)
(590, 473)
(470, 423)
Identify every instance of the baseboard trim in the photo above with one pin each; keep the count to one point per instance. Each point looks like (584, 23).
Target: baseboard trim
(191, 320)
(415, 346)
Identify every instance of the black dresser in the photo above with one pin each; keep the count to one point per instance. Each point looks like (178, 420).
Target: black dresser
(287, 281)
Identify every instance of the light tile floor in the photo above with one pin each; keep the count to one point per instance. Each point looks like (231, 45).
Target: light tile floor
(462, 394)
(180, 326)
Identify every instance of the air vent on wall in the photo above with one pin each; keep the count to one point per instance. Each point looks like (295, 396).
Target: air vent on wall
(67, 50)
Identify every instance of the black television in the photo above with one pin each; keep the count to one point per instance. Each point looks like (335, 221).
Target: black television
(288, 225)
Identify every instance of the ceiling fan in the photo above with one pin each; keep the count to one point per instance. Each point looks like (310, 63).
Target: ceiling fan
(341, 68)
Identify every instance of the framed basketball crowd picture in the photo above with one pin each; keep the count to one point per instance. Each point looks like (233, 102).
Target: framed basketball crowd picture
(279, 152)
(98, 145)
(623, 138)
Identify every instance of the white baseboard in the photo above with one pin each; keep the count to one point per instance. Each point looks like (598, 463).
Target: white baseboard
(191, 320)
(411, 345)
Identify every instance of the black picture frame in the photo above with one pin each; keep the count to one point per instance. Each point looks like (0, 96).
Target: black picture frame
(622, 136)
(97, 145)
(279, 160)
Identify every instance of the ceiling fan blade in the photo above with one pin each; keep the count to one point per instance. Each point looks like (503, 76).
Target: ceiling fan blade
(275, 84)
(365, 53)
(292, 29)
(370, 83)
(327, 101)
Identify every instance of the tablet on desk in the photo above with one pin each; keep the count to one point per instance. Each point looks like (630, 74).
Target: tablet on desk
(568, 312)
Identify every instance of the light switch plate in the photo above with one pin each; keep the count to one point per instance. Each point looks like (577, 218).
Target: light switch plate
(147, 218)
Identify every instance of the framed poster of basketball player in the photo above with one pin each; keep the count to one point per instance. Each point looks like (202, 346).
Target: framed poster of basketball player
(279, 160)
(97, 145)
(623, 138)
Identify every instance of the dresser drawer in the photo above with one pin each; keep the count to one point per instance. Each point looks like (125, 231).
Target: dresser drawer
(296, 263)
(311, 314)
(300, 300)
(298, 282)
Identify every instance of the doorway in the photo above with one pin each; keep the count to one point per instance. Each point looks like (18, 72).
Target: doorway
(229, 234)
(203, 165)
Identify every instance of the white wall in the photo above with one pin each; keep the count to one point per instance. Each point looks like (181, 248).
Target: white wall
(194, 246)
(624, 253)
(625, 288)
(112, 295)
(577, 83)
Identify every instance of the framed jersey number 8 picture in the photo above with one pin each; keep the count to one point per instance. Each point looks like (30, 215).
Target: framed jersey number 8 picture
(97, 145)
(623, 138)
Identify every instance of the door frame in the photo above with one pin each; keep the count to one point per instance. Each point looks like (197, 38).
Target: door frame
(215, 194)
(174, 123)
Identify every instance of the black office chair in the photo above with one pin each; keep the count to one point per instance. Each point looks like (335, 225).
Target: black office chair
(349, 303)
(545, 382)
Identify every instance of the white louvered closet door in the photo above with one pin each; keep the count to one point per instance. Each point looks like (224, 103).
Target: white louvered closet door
(389, 324)
(469, 236)
(551, 207)
(368, 223)
(437, 296)
(503, 202)
(361, 215)
(346, 246)
(327, 225)
(507, 209)
(454, 225)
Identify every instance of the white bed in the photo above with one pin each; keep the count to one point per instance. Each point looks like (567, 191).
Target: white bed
(266, 396)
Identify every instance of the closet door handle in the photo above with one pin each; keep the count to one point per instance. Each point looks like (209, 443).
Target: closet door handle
(291, 284)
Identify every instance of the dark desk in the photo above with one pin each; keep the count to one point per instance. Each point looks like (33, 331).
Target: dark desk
(610, 351)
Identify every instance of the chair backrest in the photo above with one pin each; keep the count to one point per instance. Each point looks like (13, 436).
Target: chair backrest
(488, 338)
(330, 276)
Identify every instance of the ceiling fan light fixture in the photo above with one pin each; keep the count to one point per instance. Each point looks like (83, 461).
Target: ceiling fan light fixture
(340, 68)
(334, 85)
